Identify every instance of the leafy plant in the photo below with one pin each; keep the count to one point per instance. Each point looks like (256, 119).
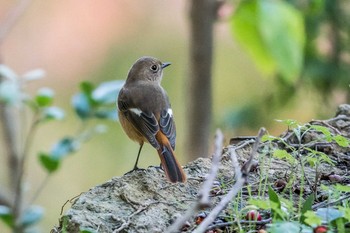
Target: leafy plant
(283, 39)
(89, 103)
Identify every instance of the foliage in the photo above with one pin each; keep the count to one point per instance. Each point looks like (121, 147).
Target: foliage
(301, 204)
(275, 41)
(298, 45)
(89, 103)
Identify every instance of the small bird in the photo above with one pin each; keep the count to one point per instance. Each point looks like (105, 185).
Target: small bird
(146, 116)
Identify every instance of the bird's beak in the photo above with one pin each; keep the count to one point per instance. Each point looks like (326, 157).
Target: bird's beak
(165, 64)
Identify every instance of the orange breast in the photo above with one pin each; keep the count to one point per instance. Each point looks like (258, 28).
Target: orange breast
(130, 130)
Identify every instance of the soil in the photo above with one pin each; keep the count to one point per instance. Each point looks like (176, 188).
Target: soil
(144, 201)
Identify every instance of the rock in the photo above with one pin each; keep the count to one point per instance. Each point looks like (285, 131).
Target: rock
(343, 109)
(140, 201)
(144, 201)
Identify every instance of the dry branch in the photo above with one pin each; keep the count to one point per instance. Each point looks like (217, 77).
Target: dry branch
(203, 199)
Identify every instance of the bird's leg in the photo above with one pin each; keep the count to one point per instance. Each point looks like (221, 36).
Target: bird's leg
(137, 159)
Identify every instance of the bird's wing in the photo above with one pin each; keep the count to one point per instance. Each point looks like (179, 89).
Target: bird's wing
(167, 125)
(144, 122)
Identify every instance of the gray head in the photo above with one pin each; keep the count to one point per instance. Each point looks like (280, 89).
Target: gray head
(146, 69)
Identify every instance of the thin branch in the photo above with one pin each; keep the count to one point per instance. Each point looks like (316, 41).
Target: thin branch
(7, 114)
(223, 203)
(17, 209)
(139, 210)
(128, 222)
(326, 203)
(203, 198)
(247, 165)
(8, 123)
(40, 189)
(241, 177)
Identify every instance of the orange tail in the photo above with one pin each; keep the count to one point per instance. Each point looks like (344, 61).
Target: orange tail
(171, 166)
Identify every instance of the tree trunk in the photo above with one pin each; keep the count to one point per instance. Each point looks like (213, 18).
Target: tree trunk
(199, 107)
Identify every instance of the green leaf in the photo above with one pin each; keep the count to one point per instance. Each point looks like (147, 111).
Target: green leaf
(339, 224)
(282, 29)
(273, 196)
(86, 87)
(267, 137)
(312, 219)
(107, 92)
(282, 154)
(261, 204)
(64, 147)
(324, 158)
(341, 141)
(275, 204)
(245, 28)
(324, 130)
(342, 188)
(312, 161)
(87, 230)
(291, 123)
(6, 215)
(44, 97)
(315, 157)
(48, 162)
(273, 34)
(346, 212)
(32, 215)
(53, 113)
(81, 105)
(307, 207)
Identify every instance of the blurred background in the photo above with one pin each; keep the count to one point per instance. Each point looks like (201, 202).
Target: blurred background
(98, 41)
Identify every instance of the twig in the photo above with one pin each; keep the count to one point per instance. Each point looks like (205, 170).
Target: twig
(326, 204)
(240, 175)
(9, 122)
(204, 194)
(40, 189)
(128, 222)
(203, 198)
(223, 203)
(70, 201)
(18, 207)
(247, 165)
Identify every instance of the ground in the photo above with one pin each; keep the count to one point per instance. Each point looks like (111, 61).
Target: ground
(303, 160)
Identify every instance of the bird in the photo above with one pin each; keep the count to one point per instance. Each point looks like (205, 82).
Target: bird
(145, 114)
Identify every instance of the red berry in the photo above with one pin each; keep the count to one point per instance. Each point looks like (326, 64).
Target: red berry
(200, 217)
(253, 215)
(320, 229)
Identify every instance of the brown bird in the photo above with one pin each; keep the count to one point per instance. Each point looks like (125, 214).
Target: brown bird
(146, 116)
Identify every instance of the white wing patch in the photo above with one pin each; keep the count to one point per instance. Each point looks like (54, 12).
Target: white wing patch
(136, 111)
(170, 112)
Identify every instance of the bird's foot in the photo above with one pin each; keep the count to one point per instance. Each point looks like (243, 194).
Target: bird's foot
(134, 169)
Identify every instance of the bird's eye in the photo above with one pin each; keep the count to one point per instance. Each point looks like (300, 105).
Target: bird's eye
(154, 68)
